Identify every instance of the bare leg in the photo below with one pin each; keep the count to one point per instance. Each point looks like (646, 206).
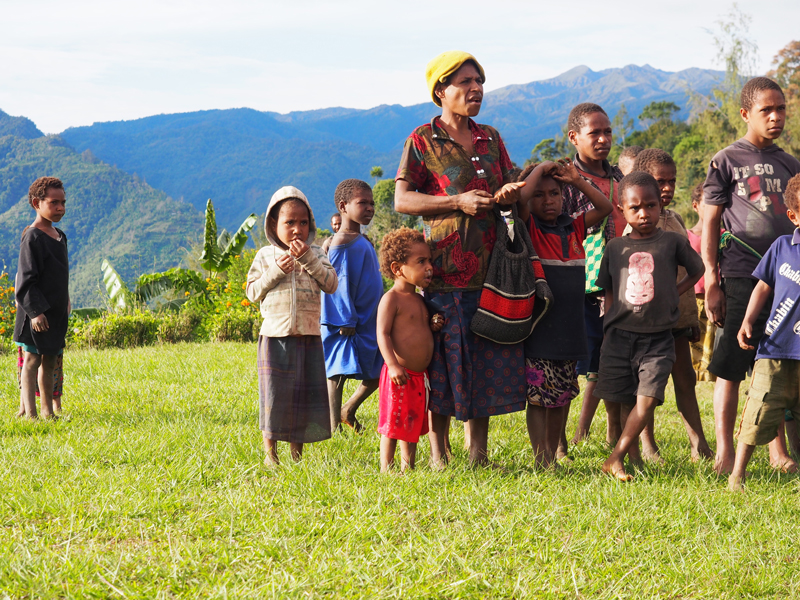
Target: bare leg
(743, 454)
(794, 440)
(436, 436)
(556, 421)
(365, 389)
(649, 446)
(726, 402)
(684, 379)
(30, 371)
(614, 423)
(779, 455)
(562, 448)
(536, 419)
(634, 455)
(335, 391)
(271, 448)
(296, 451)
(408, 455)
(388, 447)
(45, 376)
(634, 424)
(588, 410)
(466, 437)
(479, 441)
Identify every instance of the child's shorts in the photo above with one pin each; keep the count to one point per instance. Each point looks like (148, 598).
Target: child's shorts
(403, 409)
(551, 383)
(635, 364)
(774, 389)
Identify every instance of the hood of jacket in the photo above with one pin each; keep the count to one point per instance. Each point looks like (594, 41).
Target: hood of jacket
(285, 193)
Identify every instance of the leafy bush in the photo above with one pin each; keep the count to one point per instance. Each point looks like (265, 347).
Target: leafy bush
(8, 309)
(181, 326)
(118, 330)
(234, 326)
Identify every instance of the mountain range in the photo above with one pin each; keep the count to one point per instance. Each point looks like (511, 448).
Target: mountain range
(136, 188)
(239, 157)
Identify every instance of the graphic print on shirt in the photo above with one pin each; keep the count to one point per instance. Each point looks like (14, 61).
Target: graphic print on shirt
(640, 288)
(750, 187)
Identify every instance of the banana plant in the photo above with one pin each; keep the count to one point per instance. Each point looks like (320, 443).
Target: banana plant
(178, 283)
(118, 293)
(219, 250)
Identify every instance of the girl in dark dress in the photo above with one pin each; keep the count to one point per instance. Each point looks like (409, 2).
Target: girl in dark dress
(42, 295)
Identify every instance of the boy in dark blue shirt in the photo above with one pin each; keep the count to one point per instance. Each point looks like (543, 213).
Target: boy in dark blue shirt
(775, 386)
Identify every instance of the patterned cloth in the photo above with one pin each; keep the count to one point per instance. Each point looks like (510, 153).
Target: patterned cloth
(436, 165)
(403, 409)
(575, 202)
(472, 377)
(58, 375)
(292, 389)
(703, 350)
(551, 383)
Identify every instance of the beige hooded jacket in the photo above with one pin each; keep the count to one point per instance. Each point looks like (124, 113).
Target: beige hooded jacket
(290, 302)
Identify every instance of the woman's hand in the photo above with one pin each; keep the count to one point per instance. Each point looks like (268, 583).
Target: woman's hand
(509, 193)
(285, 262)
(474, 202)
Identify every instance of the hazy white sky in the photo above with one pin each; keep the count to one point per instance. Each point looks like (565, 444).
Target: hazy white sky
(73, 63)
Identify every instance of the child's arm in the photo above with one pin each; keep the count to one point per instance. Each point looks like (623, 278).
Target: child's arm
(531, 181)
(317, 265)
(689, 260)
(262, 278)
(387, 310)
(758, 299)
(567, 173)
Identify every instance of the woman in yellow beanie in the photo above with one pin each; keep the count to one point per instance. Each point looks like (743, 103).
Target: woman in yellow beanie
(452, 174)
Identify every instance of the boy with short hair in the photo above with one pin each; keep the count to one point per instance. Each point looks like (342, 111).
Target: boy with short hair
(336, 223)
(349, 316)
(775, 386)
(743, 194)
(638, 274)
(590, 133)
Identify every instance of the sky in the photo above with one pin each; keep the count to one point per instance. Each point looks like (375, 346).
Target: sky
(67, 64)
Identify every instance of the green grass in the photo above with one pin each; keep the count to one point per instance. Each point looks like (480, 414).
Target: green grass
(153, 487)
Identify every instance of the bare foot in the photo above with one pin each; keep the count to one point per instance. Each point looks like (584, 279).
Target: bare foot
(438, 466)
(735, 483)
(784, 465)
(56, 405)
(21, 413)
(50, 417)
(617, 471)
(654, 458)
(271, 462)
(564, 461)
(353, 424)
(723, 466)
(703, 452)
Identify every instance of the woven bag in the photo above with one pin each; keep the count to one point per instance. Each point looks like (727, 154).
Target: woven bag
(594, 245)
(515, 293)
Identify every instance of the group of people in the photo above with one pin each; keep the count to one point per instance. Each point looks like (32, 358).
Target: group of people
(634, 292)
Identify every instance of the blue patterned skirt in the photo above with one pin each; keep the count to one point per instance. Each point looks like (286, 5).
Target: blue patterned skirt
(472, 377)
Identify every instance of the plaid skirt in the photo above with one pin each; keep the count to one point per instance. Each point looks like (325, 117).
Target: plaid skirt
(58, 375)
(470, 376)
(292, 389)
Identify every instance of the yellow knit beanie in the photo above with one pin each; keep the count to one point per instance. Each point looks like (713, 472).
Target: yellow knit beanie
(445, 65)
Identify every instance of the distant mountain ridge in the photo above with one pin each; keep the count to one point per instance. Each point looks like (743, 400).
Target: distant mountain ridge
(239, 157)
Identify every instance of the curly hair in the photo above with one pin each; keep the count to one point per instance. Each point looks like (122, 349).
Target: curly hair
(652, 157)
(38, 189)
(637, 179)
(396, 246)
(697, 193)
(579, 113)
(346, 189)
(752, 88)
(529, 169)
(791, 197)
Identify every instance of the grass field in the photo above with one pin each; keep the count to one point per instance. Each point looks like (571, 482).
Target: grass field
(152, 486)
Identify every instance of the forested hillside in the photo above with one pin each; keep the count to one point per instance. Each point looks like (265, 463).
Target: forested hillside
(110, 214)
(240, 156)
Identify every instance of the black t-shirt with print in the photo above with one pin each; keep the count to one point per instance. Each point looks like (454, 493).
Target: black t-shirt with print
(749, 182)
(641, 274)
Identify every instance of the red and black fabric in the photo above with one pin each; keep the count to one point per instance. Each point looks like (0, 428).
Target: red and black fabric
(515, 293)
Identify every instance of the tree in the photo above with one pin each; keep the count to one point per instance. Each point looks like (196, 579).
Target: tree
(622, 125)
(386, 219)
(550, 149)
(376, 173)
(658, 111)
(218, 251)
(787, 74)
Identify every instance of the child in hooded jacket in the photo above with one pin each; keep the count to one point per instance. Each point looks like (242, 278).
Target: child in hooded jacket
(286, 278)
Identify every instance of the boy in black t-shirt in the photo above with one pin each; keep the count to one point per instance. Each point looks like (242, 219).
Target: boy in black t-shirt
(638, 274)
(743, 194)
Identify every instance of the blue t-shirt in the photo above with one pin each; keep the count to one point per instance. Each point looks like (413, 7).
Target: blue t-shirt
(780, 270)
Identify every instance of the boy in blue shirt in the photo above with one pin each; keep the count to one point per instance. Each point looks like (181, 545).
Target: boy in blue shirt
(775, 386)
